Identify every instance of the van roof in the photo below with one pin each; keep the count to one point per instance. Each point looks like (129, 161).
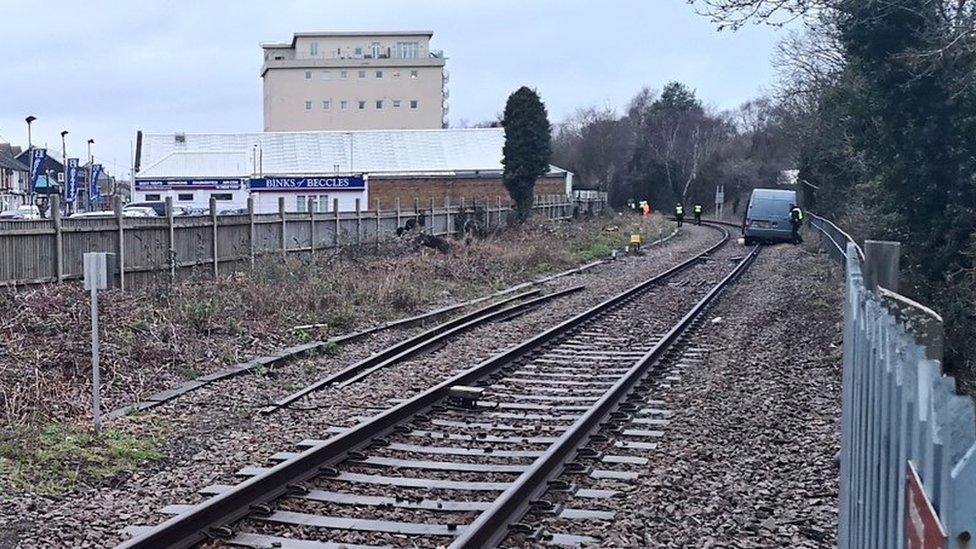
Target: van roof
(775, 194)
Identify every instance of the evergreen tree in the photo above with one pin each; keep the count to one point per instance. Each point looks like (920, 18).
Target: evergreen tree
(528, 147)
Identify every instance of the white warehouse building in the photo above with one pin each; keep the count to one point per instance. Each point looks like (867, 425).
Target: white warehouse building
(371, 166)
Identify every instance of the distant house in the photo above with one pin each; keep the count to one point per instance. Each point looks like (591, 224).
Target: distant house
(788, 178)
(13, 175)
(49, 176)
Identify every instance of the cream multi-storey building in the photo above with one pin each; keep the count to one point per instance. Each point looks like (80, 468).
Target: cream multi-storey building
(354, 81)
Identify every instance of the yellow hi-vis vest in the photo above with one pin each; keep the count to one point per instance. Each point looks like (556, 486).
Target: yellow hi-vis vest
(698, 208)
(679, 210)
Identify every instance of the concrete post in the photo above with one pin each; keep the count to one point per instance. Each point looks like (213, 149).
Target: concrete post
(213, 226)
(359, 221)
(881, 264)
(310, 206)
(117, 207)
(250, 220)
(171, 239)
(284, 237)
(376, 237)
(335, 212)
(58, 238)
(396, 203)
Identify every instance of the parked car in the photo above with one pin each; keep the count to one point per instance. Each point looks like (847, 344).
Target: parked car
(768, 216)
(106, 214)
(158, 206)
(24, 212)
(141, 211)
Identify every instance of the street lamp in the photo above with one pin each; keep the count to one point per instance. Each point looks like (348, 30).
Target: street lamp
(91, 162)
(29, 120)
(30, 158)
(64, 160)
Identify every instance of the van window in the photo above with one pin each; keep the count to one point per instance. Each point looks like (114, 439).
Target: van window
(765, 208)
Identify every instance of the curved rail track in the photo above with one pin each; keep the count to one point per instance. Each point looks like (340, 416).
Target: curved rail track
(463, 462)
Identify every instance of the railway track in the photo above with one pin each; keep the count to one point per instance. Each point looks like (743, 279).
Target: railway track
(463, 462)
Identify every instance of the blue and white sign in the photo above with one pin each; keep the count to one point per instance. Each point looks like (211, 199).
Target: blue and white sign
(71, 190)
(187, 184)
(93, 191)
(37, 157)
(345, 182)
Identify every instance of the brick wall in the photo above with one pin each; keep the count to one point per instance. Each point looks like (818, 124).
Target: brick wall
(387, 190)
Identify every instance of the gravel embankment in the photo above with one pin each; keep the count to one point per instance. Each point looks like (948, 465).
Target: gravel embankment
(747, 458)
(212, 432)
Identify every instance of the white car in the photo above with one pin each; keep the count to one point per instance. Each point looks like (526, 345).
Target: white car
(128, 212)
(25, 212)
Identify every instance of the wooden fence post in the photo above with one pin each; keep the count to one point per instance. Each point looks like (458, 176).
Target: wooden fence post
(171, 239)
(430, 217)
(396, 203)
(213, 226)
(310, 205)
(335, 210)
(498, 212)
(447, 214)
(376, 237)
(58, 238)
(359, 221)
(284, 222)
(250, 221)
(120, 250)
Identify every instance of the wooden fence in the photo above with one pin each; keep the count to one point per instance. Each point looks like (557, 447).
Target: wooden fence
(51, 250)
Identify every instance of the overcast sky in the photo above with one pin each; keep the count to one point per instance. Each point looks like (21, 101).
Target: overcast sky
(104, 68)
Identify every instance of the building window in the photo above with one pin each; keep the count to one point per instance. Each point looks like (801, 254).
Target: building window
(152, 198)
(308, 105)
(222, 196)
(414, 104)
(359, 51)
(327, 105)
(379, 74)
(362, 74)
(396, 103)
(344, 105)
(413, 74)
(376, 50)
(362, 105)
(408, 50)
(185, 197)
(319, 203)
(326, 75)
(343, 74)
(308, 75)
(379, 104)
(313, 49)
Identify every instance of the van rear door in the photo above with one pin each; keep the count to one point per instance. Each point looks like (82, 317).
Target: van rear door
(767, 213)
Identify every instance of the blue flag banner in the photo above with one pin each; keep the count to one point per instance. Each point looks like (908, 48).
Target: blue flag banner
(71, 189)
(37, 157)
(93, 192)
(350, 182)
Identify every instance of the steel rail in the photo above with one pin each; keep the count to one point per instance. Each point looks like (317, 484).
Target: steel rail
(419, 343)
(203, 521)
(493, 524)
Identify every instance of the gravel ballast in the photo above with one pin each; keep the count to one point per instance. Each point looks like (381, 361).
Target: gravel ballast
(746, 458)
(214, 431)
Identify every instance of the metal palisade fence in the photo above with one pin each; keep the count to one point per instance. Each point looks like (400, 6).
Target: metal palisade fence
(908, 441)
(51, 250)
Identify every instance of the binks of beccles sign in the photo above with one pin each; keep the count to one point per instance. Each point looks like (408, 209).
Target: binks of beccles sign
(345, 182)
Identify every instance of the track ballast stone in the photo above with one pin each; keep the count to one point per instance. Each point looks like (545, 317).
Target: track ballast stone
(747, 459)
(212, 432)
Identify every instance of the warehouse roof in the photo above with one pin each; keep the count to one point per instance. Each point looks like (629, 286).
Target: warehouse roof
(300, 153)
